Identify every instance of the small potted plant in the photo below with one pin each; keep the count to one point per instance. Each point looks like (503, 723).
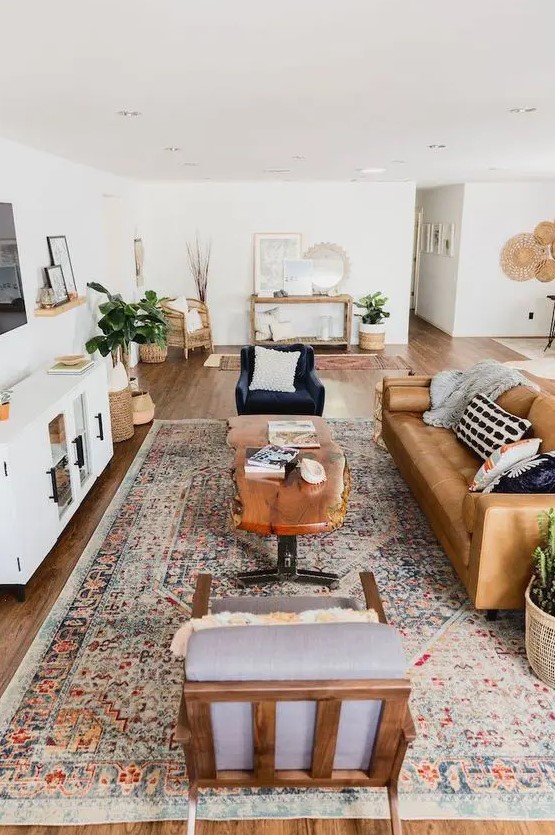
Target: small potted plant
(155, 349)
(371, 335)
(5, 396)
(540, 603)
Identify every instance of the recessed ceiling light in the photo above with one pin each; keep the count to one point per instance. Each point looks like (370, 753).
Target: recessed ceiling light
(437, 147)
(298, 157)
(370, 170)
(189, 164)
(277, 170)
(522, 109)
(398, 162)
(172, 148)
(129, 113)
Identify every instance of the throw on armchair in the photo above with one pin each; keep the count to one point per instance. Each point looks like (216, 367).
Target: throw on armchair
(307, 399)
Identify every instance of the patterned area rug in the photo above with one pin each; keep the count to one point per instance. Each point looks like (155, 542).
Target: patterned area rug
(86, 725)
(324, 362)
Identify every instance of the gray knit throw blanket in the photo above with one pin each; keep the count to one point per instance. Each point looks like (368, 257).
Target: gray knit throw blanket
(452, 391)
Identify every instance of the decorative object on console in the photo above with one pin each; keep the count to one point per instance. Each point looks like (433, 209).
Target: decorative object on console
(274, 370)
(372, 328)
(55, 279)
(331, 267)
(177, 312)
(503, 459)
(540, 604)
(5, 396)
(270, 251)
(59, 255)
(199, 265)
(485, 426)
(312, 471)
(297, 276)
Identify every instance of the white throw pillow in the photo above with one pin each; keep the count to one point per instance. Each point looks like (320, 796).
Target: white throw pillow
(179, 304)
(274, 370)
(263, 321)
(281, 330)
(501, 459)
(194, 322)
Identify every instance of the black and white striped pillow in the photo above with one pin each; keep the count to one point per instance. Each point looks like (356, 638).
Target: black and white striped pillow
(485, 426)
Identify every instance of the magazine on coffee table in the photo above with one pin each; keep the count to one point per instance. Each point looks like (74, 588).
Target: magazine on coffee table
(269, 460)
(300, 434)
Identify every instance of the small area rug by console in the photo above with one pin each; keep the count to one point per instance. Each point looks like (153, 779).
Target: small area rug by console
(324, 362)
(86, 725)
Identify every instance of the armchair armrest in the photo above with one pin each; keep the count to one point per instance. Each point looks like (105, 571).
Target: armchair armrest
(406, 398)
(201, 596)
(316, 390)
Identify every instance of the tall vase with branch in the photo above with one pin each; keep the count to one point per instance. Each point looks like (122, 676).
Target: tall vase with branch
(199, 254)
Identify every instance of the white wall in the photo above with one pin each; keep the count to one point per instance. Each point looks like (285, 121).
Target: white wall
(373, 222)
(488, 302)
(437, 284)
(52, 196)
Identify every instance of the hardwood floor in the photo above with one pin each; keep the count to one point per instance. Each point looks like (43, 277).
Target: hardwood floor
(188, 390)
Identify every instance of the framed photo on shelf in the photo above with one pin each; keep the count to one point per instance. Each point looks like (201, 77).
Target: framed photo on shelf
(270, 251)
(55, 278)
(59, 255)
(448, 239)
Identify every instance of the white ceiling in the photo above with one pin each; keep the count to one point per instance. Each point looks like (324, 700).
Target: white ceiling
(245, 86)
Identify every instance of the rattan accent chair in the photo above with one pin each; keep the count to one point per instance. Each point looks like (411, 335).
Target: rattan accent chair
(179, 336)
(312, 706)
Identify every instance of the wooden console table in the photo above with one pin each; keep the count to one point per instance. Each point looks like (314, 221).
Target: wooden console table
(346, 301)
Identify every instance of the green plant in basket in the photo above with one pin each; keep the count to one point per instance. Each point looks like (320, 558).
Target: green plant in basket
(156, 332)
(373, 305)
(542, 588)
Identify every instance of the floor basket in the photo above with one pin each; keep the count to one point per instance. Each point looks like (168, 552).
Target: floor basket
(371, 341)
(143, 407)
(540, 641)
(152, 353)
(121, 415)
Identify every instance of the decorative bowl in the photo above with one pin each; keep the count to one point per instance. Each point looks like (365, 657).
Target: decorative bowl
(312, 471)
(70, 359)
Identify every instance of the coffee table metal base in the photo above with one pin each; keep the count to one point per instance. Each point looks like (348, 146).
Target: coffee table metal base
(286, 569)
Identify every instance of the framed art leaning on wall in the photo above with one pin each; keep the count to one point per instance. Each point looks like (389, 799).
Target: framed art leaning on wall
(59, 254)
(270, 251)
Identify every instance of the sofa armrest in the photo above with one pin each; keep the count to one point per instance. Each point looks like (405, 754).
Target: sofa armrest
(316, 390)
(412, 380)
(505, 534)
(406, 398)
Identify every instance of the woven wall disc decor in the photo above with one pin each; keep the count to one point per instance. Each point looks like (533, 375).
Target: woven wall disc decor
(522, 256)
(546, 271)
(545, 232)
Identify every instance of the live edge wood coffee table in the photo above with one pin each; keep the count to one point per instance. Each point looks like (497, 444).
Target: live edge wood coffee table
(287, 508)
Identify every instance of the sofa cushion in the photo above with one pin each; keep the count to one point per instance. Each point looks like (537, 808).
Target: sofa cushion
(298, 402)
(534, 475)
(274, 370)
(485, 426)
(503, 459)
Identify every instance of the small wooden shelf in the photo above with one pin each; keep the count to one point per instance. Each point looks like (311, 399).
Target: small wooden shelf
(56, 311)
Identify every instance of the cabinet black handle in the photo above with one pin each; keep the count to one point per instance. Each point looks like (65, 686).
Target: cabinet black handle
(79, 451)
(100, 426)
(52, 473)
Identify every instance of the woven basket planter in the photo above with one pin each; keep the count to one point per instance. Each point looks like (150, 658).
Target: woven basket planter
(121, 415)
(540, 641)
(143, 407)
(371, 341)
(152, 353)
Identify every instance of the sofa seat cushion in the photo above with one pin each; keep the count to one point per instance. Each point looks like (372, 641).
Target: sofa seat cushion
(261, 605)
(261, 402)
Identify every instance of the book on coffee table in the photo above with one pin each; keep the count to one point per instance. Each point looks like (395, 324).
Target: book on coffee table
(300, 434)
(269, 460)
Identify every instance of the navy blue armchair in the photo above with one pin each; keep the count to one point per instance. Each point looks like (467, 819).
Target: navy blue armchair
(307, 399)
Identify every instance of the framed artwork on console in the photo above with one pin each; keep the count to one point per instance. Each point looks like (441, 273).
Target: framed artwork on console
(270, 251)
(55, 278)
(59, 255)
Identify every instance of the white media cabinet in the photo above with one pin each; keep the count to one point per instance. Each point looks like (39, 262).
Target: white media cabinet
(54, 446)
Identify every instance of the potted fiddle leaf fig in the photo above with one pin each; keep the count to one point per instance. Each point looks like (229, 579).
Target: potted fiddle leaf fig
(155, 349)
(540, 603)
(372, 324)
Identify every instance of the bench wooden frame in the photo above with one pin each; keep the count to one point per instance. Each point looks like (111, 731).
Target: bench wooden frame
(395, 731)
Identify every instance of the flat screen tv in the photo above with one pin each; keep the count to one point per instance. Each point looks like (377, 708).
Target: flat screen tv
(12, 302)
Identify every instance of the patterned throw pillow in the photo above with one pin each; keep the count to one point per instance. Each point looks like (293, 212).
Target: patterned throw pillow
(485, 426)
(262, 322)
(534, 475)
(274, 370)
(503, 459)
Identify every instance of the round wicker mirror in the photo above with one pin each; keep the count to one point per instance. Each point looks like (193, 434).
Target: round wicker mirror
(331, 266)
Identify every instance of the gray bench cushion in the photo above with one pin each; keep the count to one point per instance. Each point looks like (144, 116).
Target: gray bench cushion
(301, 652)
(263, 605)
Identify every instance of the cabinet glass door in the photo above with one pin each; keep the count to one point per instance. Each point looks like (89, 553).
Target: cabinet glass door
(60, 471)
(81, 442)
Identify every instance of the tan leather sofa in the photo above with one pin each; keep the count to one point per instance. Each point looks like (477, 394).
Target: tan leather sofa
(488, 538)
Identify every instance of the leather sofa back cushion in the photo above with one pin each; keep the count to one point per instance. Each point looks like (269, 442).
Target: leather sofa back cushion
(518, 401)
(542, 415)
